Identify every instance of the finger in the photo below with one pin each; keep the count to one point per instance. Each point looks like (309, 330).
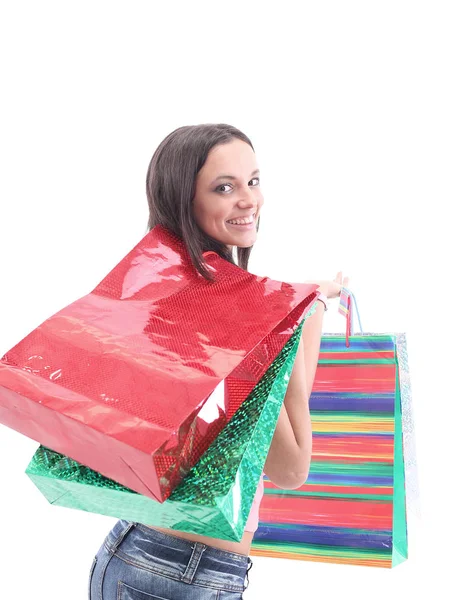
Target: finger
(338, 278)
(346, 282)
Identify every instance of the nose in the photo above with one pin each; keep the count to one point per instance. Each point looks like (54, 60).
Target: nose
(247, 203)
(248, 200)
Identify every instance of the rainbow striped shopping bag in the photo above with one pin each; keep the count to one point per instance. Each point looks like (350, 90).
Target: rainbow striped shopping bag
(352, 508)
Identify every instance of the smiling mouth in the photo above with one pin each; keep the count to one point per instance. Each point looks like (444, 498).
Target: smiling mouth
(242, 222)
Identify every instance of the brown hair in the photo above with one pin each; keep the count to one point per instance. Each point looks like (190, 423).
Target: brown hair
(171, 184)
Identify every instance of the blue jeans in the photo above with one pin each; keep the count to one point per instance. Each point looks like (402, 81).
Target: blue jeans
(139, 563)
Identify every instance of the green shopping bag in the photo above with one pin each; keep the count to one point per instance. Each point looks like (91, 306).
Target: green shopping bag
(215, 497)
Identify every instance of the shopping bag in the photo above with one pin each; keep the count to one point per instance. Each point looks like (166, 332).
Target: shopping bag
(122, 379)
(216, 496)
(352, 507)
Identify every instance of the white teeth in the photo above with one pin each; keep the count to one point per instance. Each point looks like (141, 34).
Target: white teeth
(242, 221)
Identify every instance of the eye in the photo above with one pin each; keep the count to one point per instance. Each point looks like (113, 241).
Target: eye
(218, 189)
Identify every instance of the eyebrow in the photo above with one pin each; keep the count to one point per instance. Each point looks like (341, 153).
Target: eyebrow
(256, 172)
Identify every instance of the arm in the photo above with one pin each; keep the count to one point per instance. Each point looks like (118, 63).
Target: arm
(288, 461)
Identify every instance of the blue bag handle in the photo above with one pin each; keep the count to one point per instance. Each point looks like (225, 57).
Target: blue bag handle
(346, 301)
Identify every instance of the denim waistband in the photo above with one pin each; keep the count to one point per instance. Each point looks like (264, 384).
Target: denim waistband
(178, 558)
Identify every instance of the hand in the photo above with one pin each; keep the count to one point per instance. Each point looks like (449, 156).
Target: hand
(332, 289)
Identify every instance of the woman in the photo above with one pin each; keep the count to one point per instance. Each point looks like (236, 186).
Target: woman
(203, 184)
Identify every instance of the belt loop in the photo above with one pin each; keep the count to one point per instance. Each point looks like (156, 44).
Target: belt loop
(122, 536)
(193, 563)
(250, 564)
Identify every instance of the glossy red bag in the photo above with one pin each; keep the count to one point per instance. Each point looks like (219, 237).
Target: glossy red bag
(121, 380)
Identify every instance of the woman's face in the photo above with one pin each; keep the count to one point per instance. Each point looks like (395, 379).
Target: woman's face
(228, 199)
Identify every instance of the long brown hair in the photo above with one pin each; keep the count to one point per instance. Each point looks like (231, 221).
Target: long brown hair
(171, 185)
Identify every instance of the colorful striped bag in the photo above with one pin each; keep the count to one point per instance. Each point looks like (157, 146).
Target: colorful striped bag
(352, 508)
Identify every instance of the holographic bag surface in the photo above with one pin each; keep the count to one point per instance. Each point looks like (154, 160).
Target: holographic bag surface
(216, 496)
(352, 508)
(121, 380)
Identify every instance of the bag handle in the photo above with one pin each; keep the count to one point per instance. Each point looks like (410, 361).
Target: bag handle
(346, 301)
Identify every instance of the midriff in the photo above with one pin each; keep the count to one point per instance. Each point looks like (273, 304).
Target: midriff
(242, 547)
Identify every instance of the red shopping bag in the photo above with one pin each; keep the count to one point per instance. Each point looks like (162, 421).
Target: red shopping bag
(121, 380)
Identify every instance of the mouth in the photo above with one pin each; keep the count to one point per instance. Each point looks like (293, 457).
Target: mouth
(243, 223)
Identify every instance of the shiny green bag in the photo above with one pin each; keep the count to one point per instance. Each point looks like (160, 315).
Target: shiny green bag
(216, 496)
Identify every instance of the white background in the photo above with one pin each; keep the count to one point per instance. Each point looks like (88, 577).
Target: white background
(350, 108)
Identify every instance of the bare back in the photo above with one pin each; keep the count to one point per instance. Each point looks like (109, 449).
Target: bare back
(242, 547)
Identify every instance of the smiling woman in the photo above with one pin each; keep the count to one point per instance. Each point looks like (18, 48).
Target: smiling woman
(229, 211)
(203, 185)
(199, 178)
